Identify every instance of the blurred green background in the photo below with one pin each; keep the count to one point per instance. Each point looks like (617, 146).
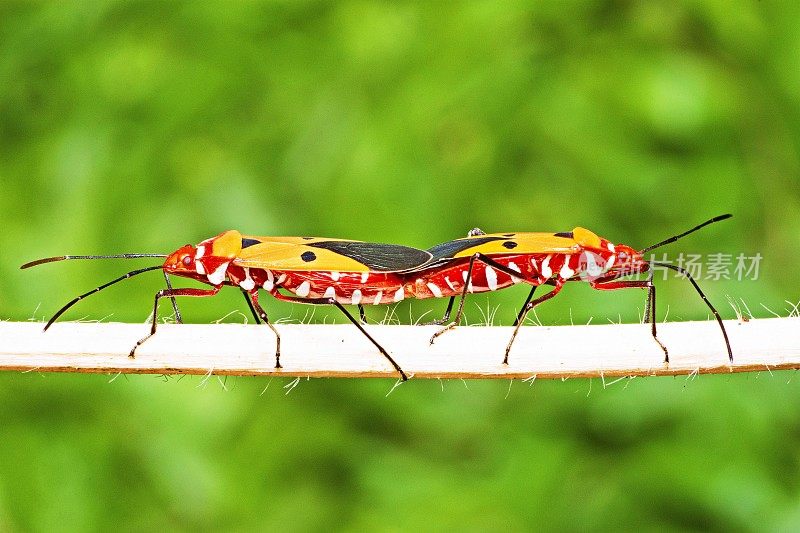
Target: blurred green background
(141, 126)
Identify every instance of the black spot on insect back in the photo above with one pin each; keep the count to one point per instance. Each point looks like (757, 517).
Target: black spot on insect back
(565, 234)
(249, 242)
(308, 256)
(510, 245)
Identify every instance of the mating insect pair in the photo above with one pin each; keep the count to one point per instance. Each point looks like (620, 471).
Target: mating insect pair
(339, 272)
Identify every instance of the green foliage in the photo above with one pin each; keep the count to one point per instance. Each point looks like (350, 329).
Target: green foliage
(140, 126)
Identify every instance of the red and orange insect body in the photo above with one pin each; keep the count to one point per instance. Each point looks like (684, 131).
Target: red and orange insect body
(312, 270)
(222, 261)
(483, 263)
(589, 259)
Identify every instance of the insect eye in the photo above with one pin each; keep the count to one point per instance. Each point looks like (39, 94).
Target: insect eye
(186, 260)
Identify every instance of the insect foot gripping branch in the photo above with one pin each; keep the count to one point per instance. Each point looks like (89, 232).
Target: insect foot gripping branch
(307, 270)
(488, 262)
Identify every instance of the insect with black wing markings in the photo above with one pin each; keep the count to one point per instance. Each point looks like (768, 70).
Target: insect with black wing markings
(488, 262)
(317, 271)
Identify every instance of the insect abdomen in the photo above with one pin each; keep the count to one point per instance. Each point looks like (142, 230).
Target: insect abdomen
(347, 288)
(534, 269)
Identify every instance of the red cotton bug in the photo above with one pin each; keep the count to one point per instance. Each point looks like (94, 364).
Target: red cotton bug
(483, 263)
(315, 271)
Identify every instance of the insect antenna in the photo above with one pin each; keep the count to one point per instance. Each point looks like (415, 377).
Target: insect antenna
(67, 257)
(703, 296)
(685, 233)
(98, 289)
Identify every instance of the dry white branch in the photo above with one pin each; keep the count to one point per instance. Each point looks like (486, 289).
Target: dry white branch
(341, 351)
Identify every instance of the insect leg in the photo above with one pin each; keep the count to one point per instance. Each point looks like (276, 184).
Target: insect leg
(471, 233)
(446, 316)
(332, 301)
(250, 305)
(178, 317)
(524, 312)
(361, 314)
(486, 261)
(648, 304)
(169, 293)
(460, 311)
(688, 276)
(252, 299)
(650, 312)
(380, 348)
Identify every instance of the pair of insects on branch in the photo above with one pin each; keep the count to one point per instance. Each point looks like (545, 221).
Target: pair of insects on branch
(338, 272)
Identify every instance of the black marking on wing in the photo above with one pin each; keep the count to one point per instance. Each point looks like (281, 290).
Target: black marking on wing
(565, 234)
(308, 256)
(449, 249)
(246, 243)
(510, 245)
(377, 256)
